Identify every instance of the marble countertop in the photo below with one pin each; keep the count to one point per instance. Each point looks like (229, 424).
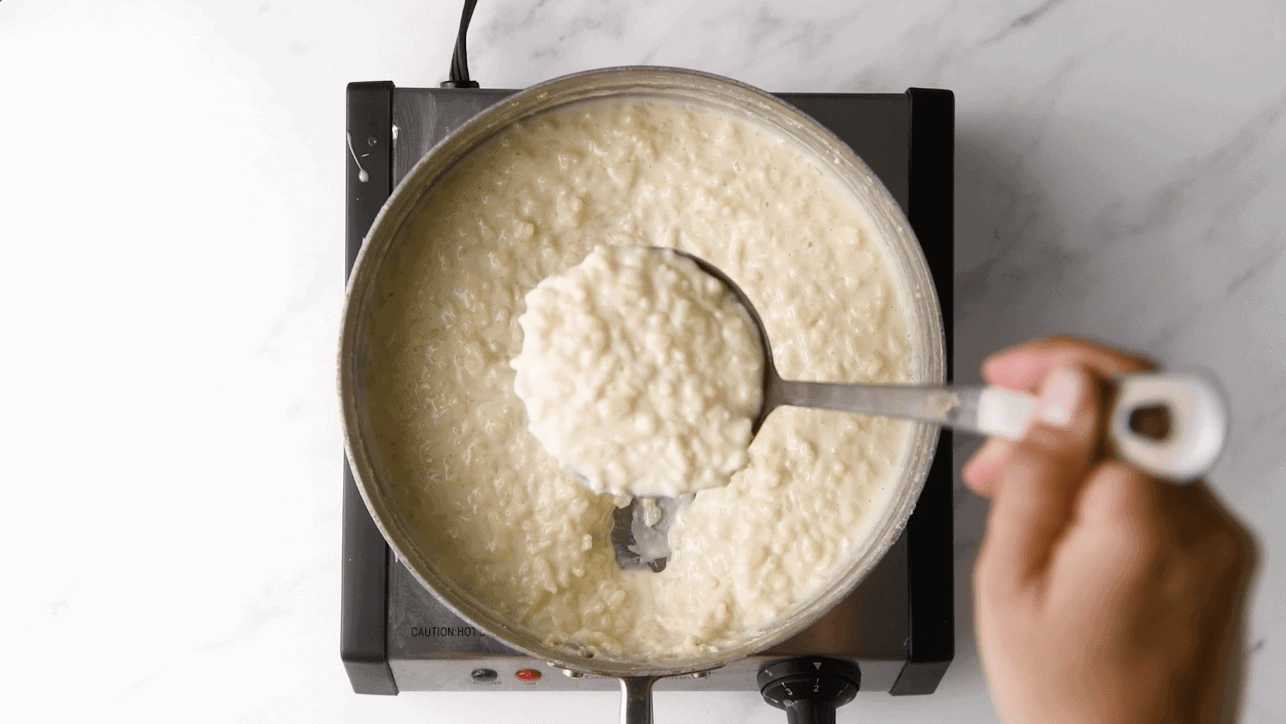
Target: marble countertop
(171, 210)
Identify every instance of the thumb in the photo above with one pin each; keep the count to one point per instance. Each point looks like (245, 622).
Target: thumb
(1042, 477)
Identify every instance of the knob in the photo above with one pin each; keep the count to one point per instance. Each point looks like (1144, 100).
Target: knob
(809, 688)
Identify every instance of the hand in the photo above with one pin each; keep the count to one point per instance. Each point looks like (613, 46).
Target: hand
(1103, 595)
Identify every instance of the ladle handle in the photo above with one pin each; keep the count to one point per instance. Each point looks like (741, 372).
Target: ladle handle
(1172, 425)
(636, 699)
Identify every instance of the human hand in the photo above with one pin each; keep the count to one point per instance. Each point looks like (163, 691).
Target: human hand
(1103, 595)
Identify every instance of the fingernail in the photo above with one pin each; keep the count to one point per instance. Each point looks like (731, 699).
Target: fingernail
(1061, 396)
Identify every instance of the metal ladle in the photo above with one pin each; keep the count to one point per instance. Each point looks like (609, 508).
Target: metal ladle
(1171, 425)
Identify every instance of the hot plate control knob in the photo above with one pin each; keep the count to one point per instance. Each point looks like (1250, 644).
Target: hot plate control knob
(809, 688)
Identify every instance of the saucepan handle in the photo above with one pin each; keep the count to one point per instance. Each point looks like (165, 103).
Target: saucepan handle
(636, 699)
(1188, 413)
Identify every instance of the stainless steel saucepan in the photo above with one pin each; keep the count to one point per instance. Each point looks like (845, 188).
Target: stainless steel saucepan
(916, 297)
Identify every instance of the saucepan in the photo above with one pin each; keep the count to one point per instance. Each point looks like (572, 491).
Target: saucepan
(916, 298)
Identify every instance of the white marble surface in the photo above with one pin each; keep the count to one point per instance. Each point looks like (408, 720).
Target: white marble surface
(171, 212)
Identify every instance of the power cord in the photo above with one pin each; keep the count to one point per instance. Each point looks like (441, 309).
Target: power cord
(459, 77)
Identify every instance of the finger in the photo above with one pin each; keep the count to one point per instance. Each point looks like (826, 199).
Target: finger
(1119, 497)
(1042, 476)
(982, 472)
(1023, 367)
(1122, 512)
(1205, 527)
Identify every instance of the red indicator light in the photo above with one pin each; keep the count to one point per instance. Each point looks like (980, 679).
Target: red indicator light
(527, 675)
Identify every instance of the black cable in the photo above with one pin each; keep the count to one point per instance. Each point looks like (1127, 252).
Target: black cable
(459, 77)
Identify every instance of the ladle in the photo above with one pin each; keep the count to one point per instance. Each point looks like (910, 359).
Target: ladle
(1172, 425)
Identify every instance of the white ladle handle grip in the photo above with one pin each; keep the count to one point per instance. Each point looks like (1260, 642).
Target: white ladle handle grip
(1195, 411)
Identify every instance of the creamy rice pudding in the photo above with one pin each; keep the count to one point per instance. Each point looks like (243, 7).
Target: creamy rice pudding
(525, 537)
(640, 372)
